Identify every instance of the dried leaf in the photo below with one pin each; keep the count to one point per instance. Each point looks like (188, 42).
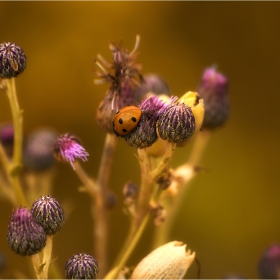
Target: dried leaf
(169, 261)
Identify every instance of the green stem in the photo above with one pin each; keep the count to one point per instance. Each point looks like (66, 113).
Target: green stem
(17, 121)
(182, 178)
(99, 210)
(47, 255)
(13, 174)
(115, 271)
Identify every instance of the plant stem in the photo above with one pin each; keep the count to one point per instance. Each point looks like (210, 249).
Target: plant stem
(182, 178)
(99, 210)
(115, 271)
(47, 255)
(14, 168)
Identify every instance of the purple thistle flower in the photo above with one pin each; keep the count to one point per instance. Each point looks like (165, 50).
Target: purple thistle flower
(67, 148)
(48, 213)
(269, 264)
(12, 60)
(213, 89)
(145, 134)
(81, 266)
(25, 237)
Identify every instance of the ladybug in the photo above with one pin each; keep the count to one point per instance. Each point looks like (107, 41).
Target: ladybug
(126, 119)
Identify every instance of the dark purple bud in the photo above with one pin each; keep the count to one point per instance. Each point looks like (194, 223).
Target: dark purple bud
(176, 123)
(81, 266)
(7, 138)
(213, 89)
(12, 60)
(48, 213)
(111, 200)
(151, 83)
(130, 191)
(67, 148)
(25, 237)
(145, 134)
(269, 264)
(37, 153)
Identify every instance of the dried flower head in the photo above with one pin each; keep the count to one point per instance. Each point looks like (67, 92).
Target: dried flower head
(48, 213)
(12, 60)
(122, 74)
(269, 264)
(145, 133)
(67, 148)
(213, 89)
(81, 266)
(25, 237)
(37, 152)
(176, 122)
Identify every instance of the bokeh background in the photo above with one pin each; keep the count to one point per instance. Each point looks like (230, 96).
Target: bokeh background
(231, 212)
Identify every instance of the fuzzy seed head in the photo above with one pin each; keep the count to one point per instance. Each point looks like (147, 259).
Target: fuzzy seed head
(25, 237)
(12, 60)
(81, 266)
(67, 148)
(48, 213)
(176, 123)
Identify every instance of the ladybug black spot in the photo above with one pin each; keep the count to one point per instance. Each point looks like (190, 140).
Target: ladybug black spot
(124, 130)
(133, 119)
(121, 121)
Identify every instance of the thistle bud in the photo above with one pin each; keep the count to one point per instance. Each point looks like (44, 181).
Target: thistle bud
(81, 266)
(12, 60)
(269, 264)
(25, 237)
(67, 148)
(213, 89)
(176, 123)
(48, 213)
(145, 134)
(37, 153)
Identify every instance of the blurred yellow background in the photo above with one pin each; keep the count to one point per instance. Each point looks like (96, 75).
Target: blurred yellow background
(231, 213)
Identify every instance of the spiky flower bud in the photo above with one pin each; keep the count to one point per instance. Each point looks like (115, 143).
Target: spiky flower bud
(48, 213)
(151, 83)
(145, 134)
(176, 123)
(25, 237)
(12, 60)
(37, 153)
(213, 89)
(81, 266)
(67, 148)
(269, 264)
